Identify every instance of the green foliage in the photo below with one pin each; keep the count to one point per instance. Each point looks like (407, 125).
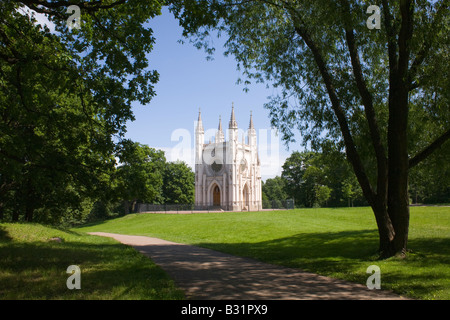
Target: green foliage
(351, 190)
(274, 189)
(305, 173)
(321, 179)
(263, 37)
(65, 98)
(372, 92)
(140, 174)
(178, 183)
(296, 186)
(430, 180)
(323, 193)
(144, 176)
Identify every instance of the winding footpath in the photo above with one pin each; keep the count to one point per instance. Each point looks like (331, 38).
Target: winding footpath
(205, 274)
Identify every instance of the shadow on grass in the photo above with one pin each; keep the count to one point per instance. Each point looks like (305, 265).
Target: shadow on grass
(108, 271)
(309, 251)
(358, 245)
(4, 235)
(423, 273)
(95, 222)
(114, 271)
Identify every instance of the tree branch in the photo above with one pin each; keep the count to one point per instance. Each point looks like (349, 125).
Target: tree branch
(87, 5)
(8, 44)
(351, 151)
(405, 34)
(427, 44)
(367, 101)
(436, 144)
(51, 8)
(390, 31)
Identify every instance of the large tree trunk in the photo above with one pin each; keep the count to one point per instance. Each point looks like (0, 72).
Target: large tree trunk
(393, 218)
(398, 198)
(390, 200)
(398, 160)
(385, 228)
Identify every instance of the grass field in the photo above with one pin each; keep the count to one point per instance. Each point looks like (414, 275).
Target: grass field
(32, 267)
(340, 243)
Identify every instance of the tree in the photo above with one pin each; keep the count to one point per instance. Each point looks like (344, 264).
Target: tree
(140, 174)
(296, 185)
(323, 193)
(351, 190)
(342, 82)
(430, 180)
(274, 193)
(307, 173)
(65, 98)
(178, 183)
(312, 175)
(274, 188)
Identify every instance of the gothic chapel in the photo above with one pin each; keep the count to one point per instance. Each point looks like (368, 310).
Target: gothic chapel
(227, 173)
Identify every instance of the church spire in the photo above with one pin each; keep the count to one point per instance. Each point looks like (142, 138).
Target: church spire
(250, 126)
(251, 132)
(219, 135)
(220, 124)
(199, 122)
(199, 139)
(233, 123)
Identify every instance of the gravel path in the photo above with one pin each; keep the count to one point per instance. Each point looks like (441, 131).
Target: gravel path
(207, 274)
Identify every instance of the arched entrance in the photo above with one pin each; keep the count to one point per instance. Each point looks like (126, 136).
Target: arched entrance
(216, 196)
(245, 198)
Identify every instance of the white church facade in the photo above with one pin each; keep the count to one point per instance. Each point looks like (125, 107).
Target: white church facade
(227, 171)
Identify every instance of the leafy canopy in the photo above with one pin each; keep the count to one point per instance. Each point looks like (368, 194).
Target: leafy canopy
(65, 97)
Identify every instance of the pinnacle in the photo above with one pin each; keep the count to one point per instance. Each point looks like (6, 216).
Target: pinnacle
(251, 121)
(199, 123)
(220, 124)
(233, 123)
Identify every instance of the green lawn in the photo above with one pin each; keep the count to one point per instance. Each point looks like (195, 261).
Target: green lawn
(340, 243)
(31, 267)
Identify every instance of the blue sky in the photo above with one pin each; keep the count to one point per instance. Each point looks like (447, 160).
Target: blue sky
(188, 81)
